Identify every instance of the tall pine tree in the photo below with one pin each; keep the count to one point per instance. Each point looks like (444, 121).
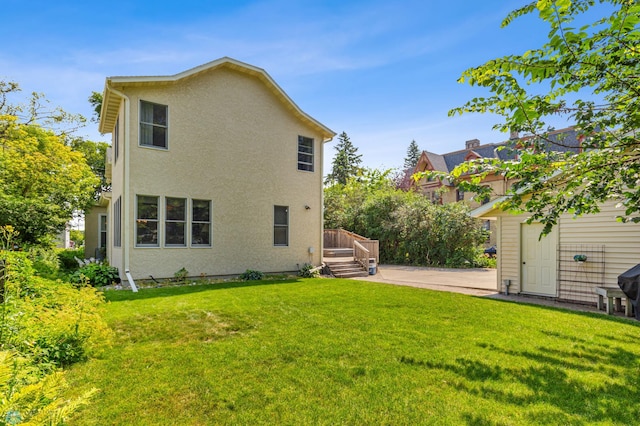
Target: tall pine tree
(413, 155)
(346, 163)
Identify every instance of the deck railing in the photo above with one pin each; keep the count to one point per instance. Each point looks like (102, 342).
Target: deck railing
(361, 254)
(339, 238)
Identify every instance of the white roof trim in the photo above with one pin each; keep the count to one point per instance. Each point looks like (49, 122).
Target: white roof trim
(117, 82)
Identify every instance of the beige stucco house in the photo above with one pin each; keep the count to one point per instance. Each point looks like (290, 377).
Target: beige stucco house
(548, 266)
(214, 169)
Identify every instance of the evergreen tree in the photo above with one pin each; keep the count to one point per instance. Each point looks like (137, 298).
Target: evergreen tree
(346, 163)
(413, 155)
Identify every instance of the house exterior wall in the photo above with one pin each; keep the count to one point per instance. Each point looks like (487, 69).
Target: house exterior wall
(621, 243)
(92, 230)
(115, 255)
(230, 141)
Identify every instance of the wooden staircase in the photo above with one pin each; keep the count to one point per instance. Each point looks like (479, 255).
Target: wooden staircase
(348, 255)
(346, 268)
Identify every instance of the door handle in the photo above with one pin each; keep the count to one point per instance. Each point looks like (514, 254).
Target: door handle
(524, 263)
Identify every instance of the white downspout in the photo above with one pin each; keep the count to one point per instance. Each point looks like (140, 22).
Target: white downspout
(125, 185)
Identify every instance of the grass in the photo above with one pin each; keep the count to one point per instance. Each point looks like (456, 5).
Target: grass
(331, 351)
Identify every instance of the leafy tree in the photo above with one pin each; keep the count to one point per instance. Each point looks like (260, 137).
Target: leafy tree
(413, 155)
(95, 156)
(36, 111)
(586, 73)
(42, 181)
(96, 102)
(346, 162)
(77, 236)
(411, 229)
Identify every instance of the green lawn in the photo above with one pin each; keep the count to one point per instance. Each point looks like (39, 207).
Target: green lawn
(331, 351)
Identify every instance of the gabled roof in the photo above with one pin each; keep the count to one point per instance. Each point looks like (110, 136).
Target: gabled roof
(431, 161)
(112, 95)
(562, 140)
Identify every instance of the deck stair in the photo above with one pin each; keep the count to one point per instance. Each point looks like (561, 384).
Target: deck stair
(347, 254)
(346, 268)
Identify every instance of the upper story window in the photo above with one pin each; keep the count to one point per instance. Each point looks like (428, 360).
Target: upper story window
(305, 154)
(153, 124)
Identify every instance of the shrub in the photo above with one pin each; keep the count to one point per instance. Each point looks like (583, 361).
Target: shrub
(68, 260)
(44, 325)
(181, 274)
(250, 275)
(411, 228)
(96, 274)
(485, 261)
(27, 398)
(44, 260)
(308, 271)
(50, 322)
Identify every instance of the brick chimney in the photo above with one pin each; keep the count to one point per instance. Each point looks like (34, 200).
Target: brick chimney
(473, 143)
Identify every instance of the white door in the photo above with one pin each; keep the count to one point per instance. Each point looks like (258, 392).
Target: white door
(538, 261)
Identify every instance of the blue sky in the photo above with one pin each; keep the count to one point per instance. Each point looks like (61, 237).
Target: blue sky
(384, 72)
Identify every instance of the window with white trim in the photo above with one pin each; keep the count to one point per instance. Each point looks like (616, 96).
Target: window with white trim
(175, 221)
(102, 228)
(280, 225)
(200, 223)
(305, 154)
(146, 221)
(153, 124)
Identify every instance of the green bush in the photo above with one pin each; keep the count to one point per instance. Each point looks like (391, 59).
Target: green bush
(250, 275)
(50, 322)
(484, 261)
(44, 325)
(45, 261)
(308, 271)
(29, 398)
(411, 228)
(96, 274)
(181, 275)
(68, 260)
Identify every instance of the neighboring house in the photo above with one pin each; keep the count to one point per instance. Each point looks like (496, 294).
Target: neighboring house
(548, 266)
(214, 169)
(440, 191)
(63, 238)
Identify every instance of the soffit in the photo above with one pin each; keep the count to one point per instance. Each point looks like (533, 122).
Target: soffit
(111, 99)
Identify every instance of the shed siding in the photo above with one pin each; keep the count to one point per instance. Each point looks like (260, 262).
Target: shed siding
(621, 246)
(621, 241)
(509, 252)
